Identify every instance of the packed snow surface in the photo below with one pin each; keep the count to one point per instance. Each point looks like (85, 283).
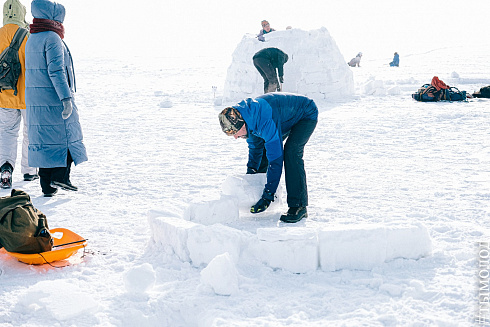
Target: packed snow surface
(398, 192)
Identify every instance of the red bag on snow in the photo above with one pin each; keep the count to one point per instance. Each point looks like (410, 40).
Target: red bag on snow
(438, 84)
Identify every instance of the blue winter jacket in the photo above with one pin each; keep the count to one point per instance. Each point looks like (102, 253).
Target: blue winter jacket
(269, 119)
(396, 61)
(49, 80)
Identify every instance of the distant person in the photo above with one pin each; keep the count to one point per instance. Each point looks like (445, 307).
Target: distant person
(265, 122)
(267, 61)
(356, 61)
(266, 28)
(55, 134)
(396, 60)
(12, 102)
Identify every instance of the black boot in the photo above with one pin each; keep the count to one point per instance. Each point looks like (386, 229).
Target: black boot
(29, 177)
(294, 215)
(68, 186)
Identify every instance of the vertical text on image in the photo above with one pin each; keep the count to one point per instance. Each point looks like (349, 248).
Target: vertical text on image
(482, 313)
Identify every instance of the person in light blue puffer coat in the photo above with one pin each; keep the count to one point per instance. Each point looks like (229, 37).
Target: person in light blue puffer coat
(55, 134)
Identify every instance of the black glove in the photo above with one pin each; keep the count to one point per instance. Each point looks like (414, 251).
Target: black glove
(281, 79)
(251, 170)
(263, 203)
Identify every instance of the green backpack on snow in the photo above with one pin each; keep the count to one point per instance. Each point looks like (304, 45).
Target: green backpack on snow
(23, 228)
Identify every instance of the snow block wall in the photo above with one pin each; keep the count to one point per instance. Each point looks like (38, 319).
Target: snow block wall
(316, 68)
(247, 190)
(239, 192)
(365, 247)
(291, 247)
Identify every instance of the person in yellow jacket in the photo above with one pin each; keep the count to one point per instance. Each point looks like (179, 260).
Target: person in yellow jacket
(13, 107)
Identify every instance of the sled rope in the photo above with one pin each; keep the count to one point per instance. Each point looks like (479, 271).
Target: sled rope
(83, 255)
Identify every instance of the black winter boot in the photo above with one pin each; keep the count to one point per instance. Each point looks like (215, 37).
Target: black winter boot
(294, 215)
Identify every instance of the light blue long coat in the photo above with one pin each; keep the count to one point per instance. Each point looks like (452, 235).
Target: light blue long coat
(49, 80)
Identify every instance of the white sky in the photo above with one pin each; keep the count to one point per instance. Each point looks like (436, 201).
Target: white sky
(215, 27)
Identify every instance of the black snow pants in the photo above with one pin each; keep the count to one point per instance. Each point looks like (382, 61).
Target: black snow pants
(294, 166)
(268, 73)
(57, 174)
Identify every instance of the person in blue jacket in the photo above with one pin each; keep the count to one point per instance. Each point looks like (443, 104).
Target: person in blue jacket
(396, 60)
(54, 131)
(265, 122)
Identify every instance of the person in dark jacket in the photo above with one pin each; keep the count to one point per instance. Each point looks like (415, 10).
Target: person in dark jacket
(396, 60)
(266, 122)
(55, 134)
(267, 61)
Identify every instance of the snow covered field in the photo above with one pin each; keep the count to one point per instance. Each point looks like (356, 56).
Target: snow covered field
(155, 147)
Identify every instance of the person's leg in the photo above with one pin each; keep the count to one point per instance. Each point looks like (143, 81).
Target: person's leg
(9, 132)
(271, 74)
(258, 62)
(25, 169)
(297, 193)
(69, 161)
(268, 73)
(45, 180)
(61, 175)
(58, 175)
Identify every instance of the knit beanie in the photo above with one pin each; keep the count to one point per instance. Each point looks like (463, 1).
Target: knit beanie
(14, 12)
(230, 120)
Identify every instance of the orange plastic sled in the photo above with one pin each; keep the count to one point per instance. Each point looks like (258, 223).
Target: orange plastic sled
(65, 244)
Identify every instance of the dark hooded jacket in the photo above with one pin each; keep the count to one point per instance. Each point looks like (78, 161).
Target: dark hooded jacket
(269, 119)
(276, 57)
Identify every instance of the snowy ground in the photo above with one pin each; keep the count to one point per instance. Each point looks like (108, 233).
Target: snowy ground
(154, 143)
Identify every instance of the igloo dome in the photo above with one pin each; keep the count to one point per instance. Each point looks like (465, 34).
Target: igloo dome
(315, 68)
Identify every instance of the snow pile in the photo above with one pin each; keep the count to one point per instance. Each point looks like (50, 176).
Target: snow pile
(315, 68)
(60, 299)
(203, 237)
(221, 275)
(374, 87)
(140, 279)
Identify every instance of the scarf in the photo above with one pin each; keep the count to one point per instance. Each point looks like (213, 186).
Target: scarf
(42, 25)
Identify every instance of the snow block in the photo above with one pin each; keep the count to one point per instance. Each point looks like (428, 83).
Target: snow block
(395, 90)
(315, 68)
(213, 212)
(365, 247)
(206, 242)
(411, 242)
(374, 87)
(171, 232)
(247, 189)
(293, 249)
